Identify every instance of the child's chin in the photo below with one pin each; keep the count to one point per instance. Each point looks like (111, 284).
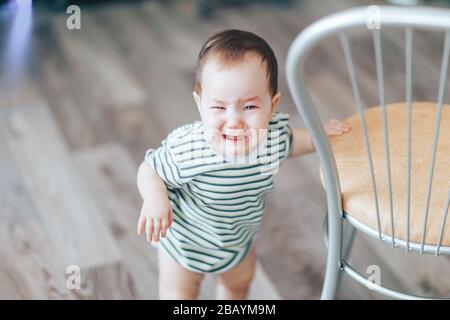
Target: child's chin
(231, 149)
(235, 154)
(239, 152)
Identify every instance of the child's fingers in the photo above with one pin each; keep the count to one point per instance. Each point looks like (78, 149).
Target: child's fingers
(170, 218)
(149, 229)
(340, 128)
(157, 229)
(337, 129)
(338, 123)
(344, 126)
(166, 223)
(141, 224)
(164, 227)
(335, 132)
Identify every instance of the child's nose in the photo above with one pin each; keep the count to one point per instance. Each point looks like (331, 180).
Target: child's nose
(234, 120)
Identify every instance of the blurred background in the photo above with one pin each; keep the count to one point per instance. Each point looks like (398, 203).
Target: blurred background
(82, 100)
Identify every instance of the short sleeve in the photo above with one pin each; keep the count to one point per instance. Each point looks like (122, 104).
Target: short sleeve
(281, 134)
(165, 164)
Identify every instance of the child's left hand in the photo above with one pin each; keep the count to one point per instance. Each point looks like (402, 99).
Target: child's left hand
(335, 127)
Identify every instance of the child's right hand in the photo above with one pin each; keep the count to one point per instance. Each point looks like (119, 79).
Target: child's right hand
(156, 216)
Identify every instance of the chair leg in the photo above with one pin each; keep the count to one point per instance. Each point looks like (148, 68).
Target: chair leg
(347, 239)
(333, 271)
(348, 235)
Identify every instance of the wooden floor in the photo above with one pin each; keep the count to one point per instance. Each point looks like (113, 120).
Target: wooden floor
(75, 126)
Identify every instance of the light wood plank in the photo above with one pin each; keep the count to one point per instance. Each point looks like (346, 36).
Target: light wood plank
(110, 172)
(66, 209)
(111, 281)
(56, 82)
(29, 268)
(95, 61)
(15, 203)
(154, 66)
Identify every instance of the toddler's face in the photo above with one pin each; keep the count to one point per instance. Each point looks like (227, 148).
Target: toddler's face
(235, 104)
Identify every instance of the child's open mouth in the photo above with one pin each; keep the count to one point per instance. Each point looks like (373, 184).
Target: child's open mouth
(234, 138)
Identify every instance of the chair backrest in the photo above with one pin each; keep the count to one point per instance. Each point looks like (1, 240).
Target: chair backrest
(374, 19)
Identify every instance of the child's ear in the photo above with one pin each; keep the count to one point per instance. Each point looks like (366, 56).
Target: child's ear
(197, 99)
(275, 101)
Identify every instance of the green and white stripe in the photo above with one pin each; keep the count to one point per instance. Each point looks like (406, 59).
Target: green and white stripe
(217, 204)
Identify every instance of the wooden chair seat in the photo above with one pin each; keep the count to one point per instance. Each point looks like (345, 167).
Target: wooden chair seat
(354, 172)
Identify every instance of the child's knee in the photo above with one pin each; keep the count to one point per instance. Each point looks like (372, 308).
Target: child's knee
(186, 288)
(238, 282)
(166, 293)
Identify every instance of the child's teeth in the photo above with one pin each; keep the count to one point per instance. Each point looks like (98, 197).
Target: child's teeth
(234, 137)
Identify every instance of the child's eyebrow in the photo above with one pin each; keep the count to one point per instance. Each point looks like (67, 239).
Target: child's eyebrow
(240, 100)
(251, 98)
(218, 101)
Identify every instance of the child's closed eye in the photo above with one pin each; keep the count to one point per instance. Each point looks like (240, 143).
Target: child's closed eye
(218, 108)
(250, 107)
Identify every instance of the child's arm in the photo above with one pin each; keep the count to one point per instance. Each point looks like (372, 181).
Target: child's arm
(302, 142)
(156, 213)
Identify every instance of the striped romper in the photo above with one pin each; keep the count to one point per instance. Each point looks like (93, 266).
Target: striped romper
(217, 202)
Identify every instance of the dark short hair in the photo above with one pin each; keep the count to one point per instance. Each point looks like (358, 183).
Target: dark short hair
(230, 46)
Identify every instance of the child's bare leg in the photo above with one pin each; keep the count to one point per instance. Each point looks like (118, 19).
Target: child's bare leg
(176, 282)
(235, 283)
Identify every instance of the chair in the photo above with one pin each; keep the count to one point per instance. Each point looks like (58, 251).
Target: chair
(367, 173)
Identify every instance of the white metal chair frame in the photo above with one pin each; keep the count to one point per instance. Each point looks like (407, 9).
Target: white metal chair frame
(340, 235)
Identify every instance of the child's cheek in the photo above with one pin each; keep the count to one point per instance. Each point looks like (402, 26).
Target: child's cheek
(210, 120)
